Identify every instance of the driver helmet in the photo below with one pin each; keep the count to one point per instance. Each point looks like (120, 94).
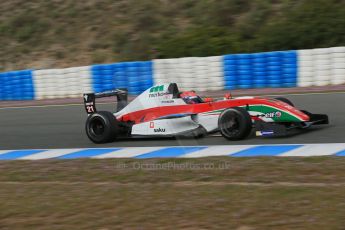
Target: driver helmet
(190, 97)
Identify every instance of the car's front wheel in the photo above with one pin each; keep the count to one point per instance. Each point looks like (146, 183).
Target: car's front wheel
(102, 127)
(235, 123)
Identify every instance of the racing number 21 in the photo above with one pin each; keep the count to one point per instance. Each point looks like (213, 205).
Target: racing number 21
(90, 109)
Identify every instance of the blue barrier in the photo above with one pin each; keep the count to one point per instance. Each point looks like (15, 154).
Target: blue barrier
(16, 85)
(259, 70)
(135, 76)
(256, 70)
(289, 68)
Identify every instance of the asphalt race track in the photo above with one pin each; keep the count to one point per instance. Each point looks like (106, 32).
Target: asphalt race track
(63, 127)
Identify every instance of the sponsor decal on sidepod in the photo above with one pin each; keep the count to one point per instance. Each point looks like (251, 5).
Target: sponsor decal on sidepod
(273, 114)
(159, 130)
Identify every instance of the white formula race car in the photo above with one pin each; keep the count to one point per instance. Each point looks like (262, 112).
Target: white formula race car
(164, 111)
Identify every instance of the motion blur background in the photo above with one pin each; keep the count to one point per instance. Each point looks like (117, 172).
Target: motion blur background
(62, 49)
(64, 33)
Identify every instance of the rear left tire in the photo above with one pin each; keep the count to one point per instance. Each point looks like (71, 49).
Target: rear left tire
(102, 127)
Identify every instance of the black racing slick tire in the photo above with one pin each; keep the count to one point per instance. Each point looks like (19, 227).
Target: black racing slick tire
(283, 99)
(235, 123)
(102, 127)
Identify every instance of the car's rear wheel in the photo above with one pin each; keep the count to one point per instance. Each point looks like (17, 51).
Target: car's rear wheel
(102, 127)
(235, 123)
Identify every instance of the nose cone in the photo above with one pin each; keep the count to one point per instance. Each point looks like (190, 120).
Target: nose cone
(295, 112)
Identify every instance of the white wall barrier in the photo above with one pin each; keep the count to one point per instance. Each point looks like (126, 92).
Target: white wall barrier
(62, 83)
(338, 65)
(315, 67)
(198, 73)
(321, 67)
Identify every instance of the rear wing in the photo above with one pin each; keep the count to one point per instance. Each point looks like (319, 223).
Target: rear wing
(90, 99)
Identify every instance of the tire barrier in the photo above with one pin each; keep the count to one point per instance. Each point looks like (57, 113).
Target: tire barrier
(135, 76)
(260, 70)
(16, 85)
(197, 73)
(62, 83)
(302, 68)
(320, 67)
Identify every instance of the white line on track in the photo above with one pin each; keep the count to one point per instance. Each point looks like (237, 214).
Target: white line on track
(51, 153)
(109, 103)
(315, 150)
(222, 150)
(4, 151)
(128, 152)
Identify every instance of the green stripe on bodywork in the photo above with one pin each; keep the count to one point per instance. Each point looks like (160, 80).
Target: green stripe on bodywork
(213, 112)
(285, 116)
(266, 109)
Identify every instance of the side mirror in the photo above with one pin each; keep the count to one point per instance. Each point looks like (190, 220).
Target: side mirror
(227, 96)
(208, 99)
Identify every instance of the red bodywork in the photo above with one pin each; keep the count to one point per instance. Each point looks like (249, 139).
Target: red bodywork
(157, 112)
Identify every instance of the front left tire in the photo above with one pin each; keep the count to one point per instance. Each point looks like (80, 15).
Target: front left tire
(235, 123)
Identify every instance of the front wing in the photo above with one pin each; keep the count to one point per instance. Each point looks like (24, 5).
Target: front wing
(284, 129)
